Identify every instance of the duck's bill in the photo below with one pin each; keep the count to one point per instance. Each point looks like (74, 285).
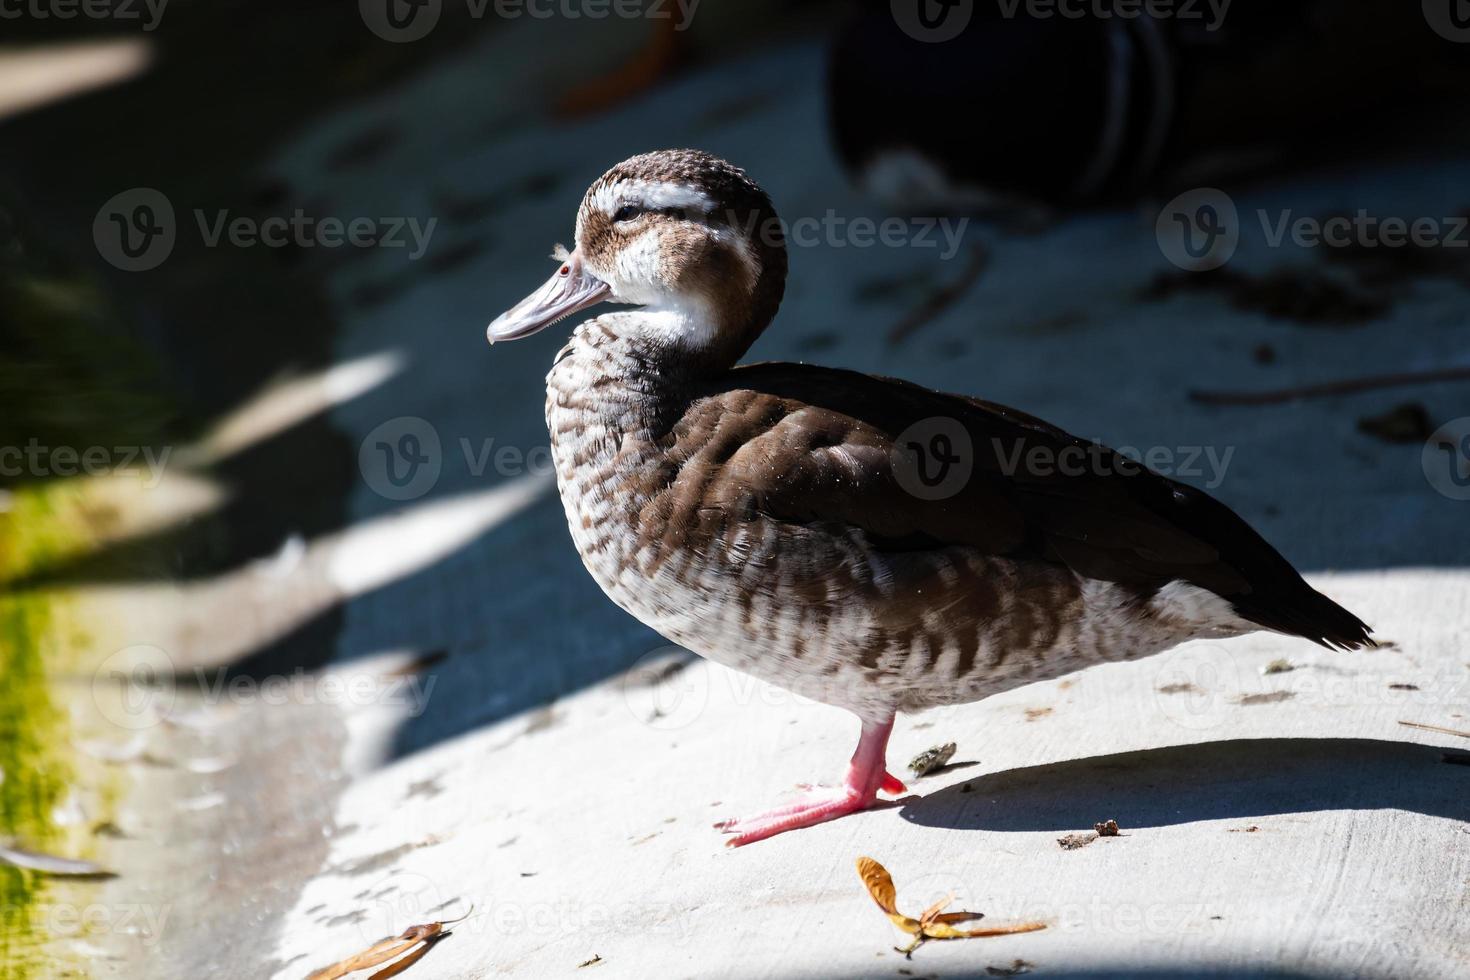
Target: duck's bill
(570, 289)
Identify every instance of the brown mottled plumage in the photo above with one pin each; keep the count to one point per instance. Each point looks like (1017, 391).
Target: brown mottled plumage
(767, 517)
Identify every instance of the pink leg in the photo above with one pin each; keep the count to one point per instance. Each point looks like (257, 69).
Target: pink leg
(865, 777)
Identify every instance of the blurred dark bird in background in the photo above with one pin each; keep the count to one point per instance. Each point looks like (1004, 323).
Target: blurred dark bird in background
(1070, 110)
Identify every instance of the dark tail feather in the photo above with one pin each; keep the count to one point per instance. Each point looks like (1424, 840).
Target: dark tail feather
(1305, 612)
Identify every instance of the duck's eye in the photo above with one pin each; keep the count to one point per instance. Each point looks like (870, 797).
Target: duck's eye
(627, 212)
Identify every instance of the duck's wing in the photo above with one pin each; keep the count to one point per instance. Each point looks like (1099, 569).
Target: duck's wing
(917, 469)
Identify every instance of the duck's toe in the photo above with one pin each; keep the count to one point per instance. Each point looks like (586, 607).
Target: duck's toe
(816, 806)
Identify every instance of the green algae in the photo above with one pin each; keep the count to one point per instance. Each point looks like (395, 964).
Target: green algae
(34, 746)
(73, 375)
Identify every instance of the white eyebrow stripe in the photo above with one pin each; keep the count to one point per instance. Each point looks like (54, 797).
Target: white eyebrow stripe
(652, 194)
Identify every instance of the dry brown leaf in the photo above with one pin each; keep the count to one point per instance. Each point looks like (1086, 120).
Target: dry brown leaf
(398, 966)
(933, 922)
(384, 950)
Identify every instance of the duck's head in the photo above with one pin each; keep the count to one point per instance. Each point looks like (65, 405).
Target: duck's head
(686, 235)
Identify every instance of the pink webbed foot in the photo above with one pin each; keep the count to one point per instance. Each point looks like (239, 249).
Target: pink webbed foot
(817, 806)
(865, 777)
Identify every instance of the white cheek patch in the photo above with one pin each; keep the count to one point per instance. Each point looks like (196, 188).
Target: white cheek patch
(653, 195)
(636, 268)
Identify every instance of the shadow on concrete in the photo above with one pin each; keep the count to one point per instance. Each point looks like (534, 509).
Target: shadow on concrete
(1238, 779)
(1123, 971)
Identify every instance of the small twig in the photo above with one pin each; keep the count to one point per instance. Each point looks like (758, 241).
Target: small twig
(1346, 386)
(1436, 728)
(943, 298)
(50, 864)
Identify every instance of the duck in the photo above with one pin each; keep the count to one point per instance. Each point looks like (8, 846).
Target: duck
(859, 540)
